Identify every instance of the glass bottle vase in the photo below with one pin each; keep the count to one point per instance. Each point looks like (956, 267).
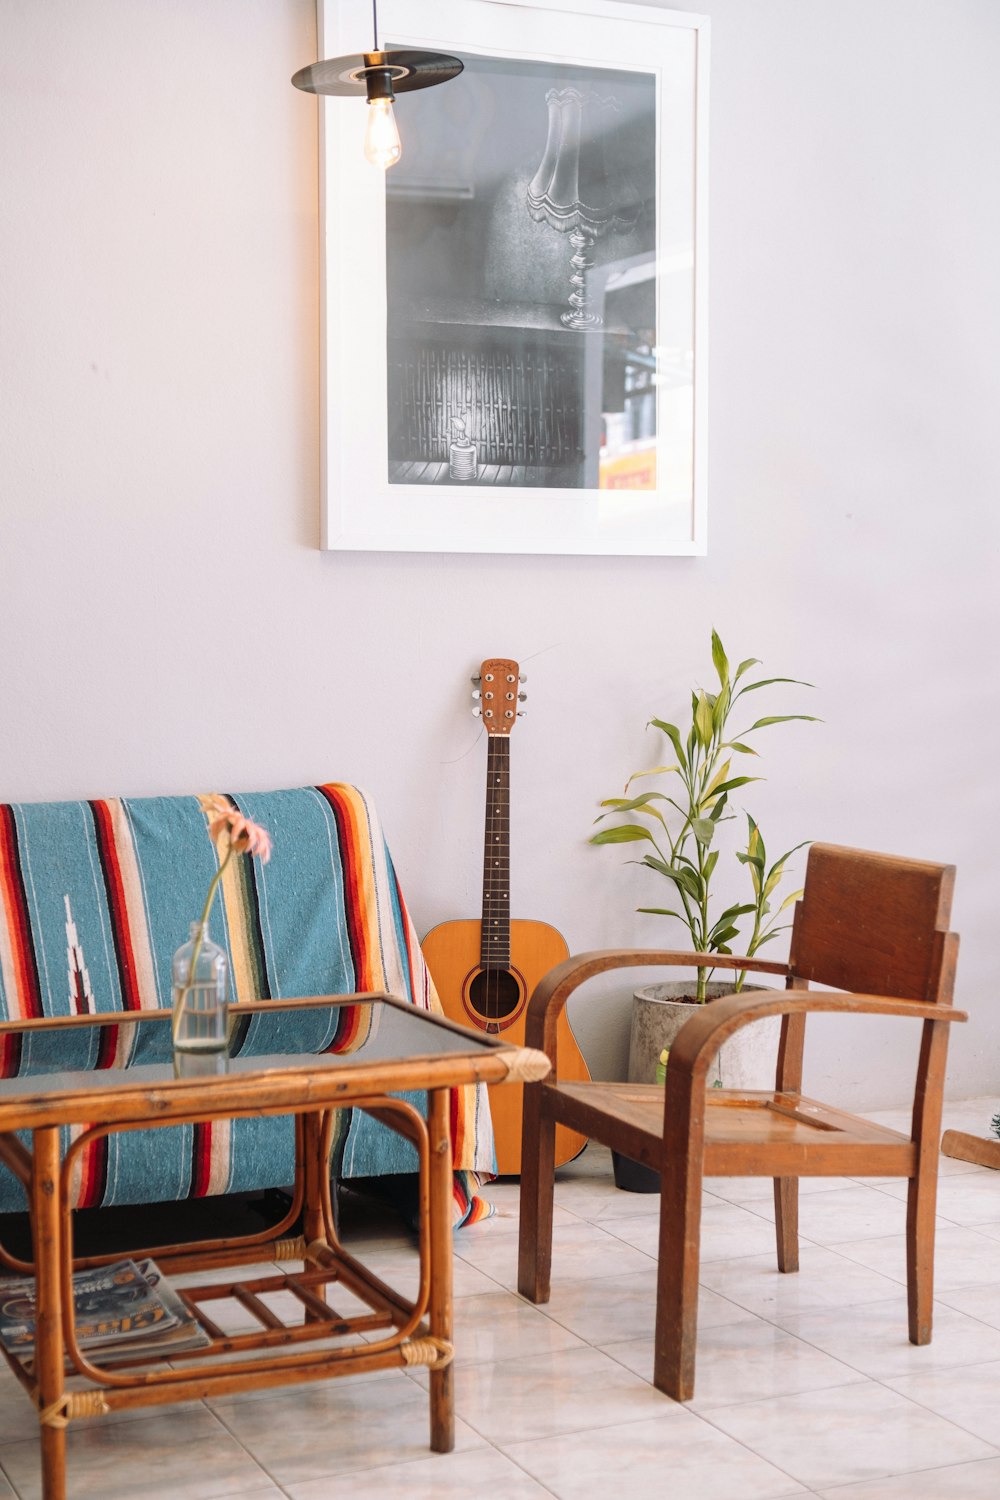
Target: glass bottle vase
(200, 1018)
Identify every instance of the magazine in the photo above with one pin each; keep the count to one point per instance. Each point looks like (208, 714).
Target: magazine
(161, 1341)
(112, 1304)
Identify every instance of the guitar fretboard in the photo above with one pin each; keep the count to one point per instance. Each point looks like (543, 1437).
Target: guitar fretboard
(495, 936)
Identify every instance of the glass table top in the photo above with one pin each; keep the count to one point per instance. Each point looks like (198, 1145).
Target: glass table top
(123, 1049)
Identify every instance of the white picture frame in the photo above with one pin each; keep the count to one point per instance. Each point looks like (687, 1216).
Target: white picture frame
(536, 489)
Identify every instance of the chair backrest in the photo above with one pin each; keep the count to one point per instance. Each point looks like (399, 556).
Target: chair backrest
(875, 924)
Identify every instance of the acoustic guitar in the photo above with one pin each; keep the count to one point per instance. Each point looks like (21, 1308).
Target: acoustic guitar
(485, 971)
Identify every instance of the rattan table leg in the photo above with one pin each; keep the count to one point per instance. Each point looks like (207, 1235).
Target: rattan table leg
(48, 1238)
(442, 1381)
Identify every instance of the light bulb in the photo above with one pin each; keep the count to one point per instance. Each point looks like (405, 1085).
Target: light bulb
(383, 148)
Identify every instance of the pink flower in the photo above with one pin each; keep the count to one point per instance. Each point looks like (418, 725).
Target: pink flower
(244, 837)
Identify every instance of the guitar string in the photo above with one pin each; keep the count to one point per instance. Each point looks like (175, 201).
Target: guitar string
(492, 978)
(495, 855)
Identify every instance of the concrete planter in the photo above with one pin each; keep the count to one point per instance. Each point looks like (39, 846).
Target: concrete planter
(746, 1061)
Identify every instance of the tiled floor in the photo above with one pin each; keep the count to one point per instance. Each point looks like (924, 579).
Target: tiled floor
(806, 1384)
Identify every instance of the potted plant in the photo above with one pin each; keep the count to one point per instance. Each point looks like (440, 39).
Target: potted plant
(680, 826)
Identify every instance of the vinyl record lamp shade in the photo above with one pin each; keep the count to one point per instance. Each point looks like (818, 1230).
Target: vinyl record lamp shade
(379, 76)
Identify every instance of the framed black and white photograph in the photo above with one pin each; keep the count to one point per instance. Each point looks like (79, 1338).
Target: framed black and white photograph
(514, 312)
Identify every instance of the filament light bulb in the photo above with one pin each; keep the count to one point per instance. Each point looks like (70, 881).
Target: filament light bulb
(383, 148)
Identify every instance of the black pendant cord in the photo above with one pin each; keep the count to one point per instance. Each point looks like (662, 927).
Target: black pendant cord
(375, 24)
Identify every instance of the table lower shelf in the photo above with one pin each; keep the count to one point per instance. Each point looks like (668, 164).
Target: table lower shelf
(390, 1333)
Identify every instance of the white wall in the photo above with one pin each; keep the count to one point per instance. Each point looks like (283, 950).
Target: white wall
(168, 624)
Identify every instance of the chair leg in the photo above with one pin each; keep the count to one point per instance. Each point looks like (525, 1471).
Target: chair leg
(538, 1166)
(786, 1222)
(921, 1197)
(921, 1205)
(677, 1274)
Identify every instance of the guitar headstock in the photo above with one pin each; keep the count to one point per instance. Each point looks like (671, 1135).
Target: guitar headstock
(496, 692)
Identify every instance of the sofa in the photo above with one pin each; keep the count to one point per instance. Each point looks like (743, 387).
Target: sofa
(95, 896)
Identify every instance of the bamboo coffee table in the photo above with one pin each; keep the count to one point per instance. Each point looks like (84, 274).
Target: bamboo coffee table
(362, 1050)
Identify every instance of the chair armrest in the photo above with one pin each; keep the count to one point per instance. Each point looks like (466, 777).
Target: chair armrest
(700, 1038)
(551, 993)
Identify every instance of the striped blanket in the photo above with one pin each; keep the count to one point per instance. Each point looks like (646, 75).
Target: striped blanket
(96, 896)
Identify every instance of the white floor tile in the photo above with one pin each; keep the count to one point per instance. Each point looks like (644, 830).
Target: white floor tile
(674, 1454)
(968, 1397)
(309, 1432)
(849, 1433)
(826, 1278)
(874, 1340)
(569, 1391)
(162, 1457)
(968, 1199)
(727, 1231)
(853, 1213)
(439, 1476)
(962, 1257)
(612, 1310)
(499, 1325)
(981, 1302)
(737, 1362)
(579, 1252)
(976, 1481)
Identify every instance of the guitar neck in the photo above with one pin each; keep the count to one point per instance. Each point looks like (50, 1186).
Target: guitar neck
(495, 931)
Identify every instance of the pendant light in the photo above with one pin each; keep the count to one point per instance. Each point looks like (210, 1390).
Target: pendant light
(379, 76)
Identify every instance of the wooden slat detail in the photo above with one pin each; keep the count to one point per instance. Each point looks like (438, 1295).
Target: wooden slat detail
(974, 1148)
(872, 923)
(813, 1139)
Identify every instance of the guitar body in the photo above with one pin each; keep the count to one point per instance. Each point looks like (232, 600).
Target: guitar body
(495, 1001)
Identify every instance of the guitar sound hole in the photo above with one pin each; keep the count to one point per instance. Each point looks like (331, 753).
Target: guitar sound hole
(494, 994)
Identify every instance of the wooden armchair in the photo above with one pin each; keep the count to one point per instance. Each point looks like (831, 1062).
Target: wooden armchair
(871, 926)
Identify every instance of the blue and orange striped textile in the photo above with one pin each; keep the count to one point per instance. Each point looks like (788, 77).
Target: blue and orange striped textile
(96, 896)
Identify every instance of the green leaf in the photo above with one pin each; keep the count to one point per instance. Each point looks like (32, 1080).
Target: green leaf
(628, 833)
(720, 659)
(716, 813)
(653, 771)
(791, 900)
(662, 911)
(686, 879)
(735, 911)
(725, 936)
(628, 804)
(777, 870)
(720, 709)
(746, 858)
(674, 736)
(703, 720)
(704, 830)
(727, 786)
(744, 666)
(717, 779)
(782, 719)
(710, 863)
(766, 938)
(751, 687)
(743, 749)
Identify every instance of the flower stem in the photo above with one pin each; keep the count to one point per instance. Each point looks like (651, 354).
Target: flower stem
(180, 1003)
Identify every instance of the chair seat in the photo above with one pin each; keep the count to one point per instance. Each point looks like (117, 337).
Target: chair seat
(747, 1133)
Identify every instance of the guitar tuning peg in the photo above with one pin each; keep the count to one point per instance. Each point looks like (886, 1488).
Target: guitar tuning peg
(477, 713)
(476, 693)
(523, 679)
(520, 713)
(522, 697)
(476, 681)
